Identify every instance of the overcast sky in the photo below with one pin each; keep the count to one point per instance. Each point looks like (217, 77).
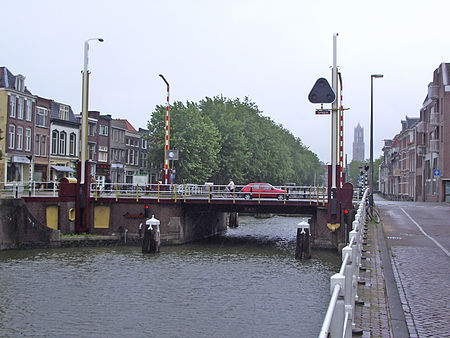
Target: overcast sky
(271, 51)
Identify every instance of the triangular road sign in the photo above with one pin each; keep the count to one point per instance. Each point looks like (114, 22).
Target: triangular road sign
(322, 92)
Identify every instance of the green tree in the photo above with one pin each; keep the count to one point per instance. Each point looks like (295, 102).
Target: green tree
(193, 135)
(221, 139)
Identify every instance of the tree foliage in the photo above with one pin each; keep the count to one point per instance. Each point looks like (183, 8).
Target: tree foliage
(355, 171)
(220, 139)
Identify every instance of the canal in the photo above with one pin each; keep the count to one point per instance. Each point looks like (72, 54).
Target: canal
(245, 283)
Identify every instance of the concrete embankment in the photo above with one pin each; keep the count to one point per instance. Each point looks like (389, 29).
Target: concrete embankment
(19, 229)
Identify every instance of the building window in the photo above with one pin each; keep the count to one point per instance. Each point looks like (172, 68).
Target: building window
(62, 143)
(144, 143)
(64, 112)
(91, 129)
(20, 109)
(102, 156)
(55, 135)
(103, 130)
(44, 145)
(19, 138)
(41, 117)
(72, 144)
(12, 136)
(20, 83)
(12, 106)
(91, 151)
(28, 139)
(37, 144)
(28, 112)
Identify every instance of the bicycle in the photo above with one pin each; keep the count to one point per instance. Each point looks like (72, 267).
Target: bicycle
(372, 213)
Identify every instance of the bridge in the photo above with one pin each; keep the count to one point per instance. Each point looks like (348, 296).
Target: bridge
(187, 212)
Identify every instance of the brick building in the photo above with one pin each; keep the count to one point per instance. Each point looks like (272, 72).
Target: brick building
(417, 161)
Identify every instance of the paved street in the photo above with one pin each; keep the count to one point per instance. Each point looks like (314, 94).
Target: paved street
(418, 235)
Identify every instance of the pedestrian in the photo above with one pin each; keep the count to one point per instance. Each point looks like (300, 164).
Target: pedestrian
(230, 186)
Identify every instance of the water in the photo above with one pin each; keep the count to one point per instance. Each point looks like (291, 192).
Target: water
(246, 283)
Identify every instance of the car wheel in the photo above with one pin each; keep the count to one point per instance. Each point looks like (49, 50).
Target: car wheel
(247, 196)
(280, 197)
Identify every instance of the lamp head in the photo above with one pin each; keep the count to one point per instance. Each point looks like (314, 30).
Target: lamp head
(377, 75)
(100, 39)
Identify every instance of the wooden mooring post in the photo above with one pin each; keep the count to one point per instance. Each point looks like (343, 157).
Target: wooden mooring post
(152, 238)
(303, 249)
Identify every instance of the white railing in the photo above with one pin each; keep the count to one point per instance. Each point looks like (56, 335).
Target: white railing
(339, 318)
(314, 195)
(34, 188)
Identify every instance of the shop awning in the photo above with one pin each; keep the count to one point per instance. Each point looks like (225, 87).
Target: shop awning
(62, 168)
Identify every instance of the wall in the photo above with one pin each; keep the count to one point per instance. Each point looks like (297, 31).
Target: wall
(179, 223)
(20, 229)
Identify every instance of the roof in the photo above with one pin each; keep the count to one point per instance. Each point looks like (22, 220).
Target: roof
(54, 112)
(409, 122)
(128, 125)
(8, 80)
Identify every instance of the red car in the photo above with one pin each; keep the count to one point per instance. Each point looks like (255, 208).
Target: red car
(261, 190)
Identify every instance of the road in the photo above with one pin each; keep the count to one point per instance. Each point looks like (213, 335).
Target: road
(418, 235)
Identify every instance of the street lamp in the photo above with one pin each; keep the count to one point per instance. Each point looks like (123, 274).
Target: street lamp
(84, 110)
(376, 76)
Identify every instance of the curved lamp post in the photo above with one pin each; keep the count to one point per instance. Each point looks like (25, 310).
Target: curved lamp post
(84, 110)
(376, 76)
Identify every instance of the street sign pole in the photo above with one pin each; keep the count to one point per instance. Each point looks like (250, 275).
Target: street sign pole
(334, 119)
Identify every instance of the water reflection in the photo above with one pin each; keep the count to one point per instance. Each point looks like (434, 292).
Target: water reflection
(245, 283)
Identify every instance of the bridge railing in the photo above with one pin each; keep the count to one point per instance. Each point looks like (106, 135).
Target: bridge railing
(316, 195)
(34, 188)
(339, 319)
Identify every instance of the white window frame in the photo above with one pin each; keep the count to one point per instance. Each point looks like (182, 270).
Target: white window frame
(102, 130)
(72, 144)
(12, 136)
(64, 112)
(12, 106)
(55, 142)
(62, 143)
(27, 139)
(102, 156)
(29, 110)
(20, 109)
(41, 116)
(19, 132)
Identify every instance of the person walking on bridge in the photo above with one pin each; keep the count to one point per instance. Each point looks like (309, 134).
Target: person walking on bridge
(230, 186)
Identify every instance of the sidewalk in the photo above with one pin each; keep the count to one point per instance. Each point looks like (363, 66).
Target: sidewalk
(381, 313)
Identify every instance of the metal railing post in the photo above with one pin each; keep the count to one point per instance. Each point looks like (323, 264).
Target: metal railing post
(337, 322)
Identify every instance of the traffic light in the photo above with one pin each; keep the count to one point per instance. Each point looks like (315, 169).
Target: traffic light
(146, 211)
(347, 217)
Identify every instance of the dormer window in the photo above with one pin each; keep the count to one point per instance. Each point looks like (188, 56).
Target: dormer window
(64, 112)
(20, 83)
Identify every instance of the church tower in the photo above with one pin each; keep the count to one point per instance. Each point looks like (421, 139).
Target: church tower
(358, 144)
